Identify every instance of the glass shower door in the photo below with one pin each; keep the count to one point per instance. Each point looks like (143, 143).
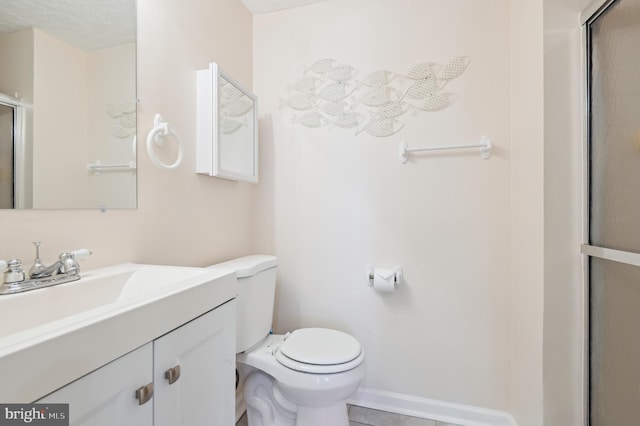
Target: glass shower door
(613, 52)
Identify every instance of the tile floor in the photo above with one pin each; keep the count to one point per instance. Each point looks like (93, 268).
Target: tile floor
(360, 416)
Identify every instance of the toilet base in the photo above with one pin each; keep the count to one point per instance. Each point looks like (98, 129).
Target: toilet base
(266, 406)
(263, 408)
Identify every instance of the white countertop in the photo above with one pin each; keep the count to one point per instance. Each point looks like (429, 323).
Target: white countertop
(52, 336)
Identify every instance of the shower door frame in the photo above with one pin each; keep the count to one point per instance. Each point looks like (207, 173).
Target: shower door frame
(588, 16)
(19, 149)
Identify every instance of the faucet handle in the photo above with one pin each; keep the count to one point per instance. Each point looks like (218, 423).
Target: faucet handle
(15, 273)
(69, 261)
(81, 253)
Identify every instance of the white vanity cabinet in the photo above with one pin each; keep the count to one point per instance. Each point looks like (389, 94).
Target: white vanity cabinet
(200, 356)
(106, 397)
(191, 371)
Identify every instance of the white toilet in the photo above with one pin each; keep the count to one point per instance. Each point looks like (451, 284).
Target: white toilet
(302, 378)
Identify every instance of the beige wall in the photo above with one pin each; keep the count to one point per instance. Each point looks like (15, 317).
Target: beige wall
(337, 202)
(562, 274)
(182, 218)
(526, 211)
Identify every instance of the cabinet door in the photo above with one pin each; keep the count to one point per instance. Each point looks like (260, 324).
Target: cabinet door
(107, 396)
(203, 390)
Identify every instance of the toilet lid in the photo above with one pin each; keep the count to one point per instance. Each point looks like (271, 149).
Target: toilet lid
(311, 349)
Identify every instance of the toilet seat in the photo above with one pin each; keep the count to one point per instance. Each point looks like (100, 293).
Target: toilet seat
(320, 351)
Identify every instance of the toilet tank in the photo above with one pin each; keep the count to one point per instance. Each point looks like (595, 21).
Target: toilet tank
(256, 293)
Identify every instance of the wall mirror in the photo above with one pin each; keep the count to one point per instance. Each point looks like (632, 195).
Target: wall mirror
(227, 127)
(68, 104)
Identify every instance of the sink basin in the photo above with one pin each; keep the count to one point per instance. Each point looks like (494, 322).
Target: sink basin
(50, 336)
(101, 288)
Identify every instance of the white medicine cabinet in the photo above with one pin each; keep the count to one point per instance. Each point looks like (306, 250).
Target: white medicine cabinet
(227, 127)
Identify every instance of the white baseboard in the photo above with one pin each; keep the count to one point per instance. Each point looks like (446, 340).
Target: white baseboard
(459, 414)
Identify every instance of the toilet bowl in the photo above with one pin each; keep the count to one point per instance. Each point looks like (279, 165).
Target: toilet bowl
(300, 388)
(302, 378)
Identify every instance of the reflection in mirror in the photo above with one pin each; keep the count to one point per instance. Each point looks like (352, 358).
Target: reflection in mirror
(68, 104)
(236, 134)
(227, 122)
(7, 113)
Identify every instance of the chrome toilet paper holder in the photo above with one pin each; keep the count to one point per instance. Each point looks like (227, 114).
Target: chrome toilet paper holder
(397, 275)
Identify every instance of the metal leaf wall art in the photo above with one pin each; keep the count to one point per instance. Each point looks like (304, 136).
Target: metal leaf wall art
(329, 93)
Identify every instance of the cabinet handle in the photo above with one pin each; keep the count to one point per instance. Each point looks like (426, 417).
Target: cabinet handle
(172, 374)
(144, 394)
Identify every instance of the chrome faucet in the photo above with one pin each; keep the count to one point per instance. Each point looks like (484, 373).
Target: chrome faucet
(66, 264)
(64, 270)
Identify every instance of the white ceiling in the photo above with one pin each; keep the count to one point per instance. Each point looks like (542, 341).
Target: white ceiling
(86, 24)
(265, 6)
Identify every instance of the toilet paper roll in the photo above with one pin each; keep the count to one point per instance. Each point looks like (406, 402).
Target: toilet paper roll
(384, 279)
